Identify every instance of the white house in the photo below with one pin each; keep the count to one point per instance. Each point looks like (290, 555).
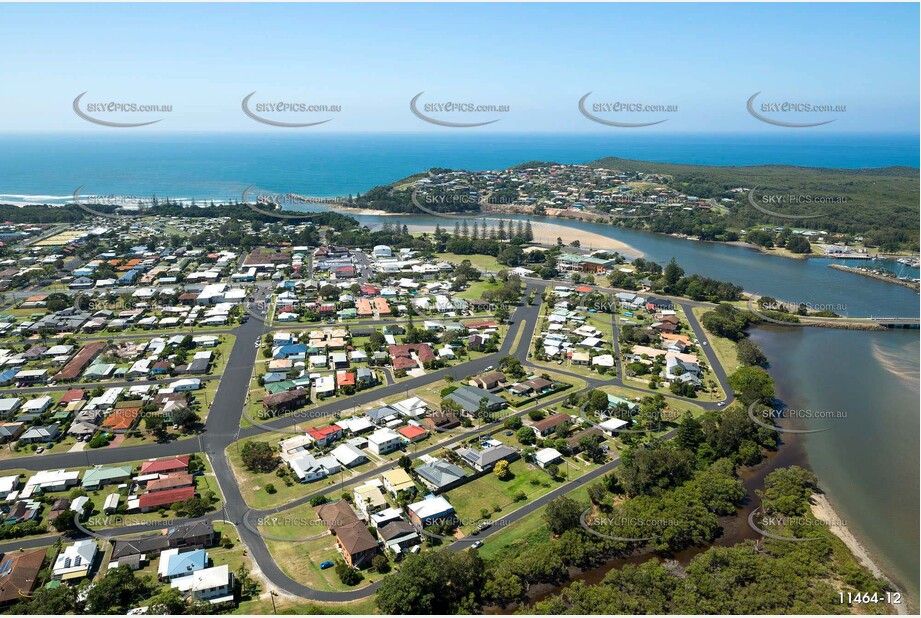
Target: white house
(547, 456)
(76, 560)
(348, 455)
(384, 441)
(214, 585)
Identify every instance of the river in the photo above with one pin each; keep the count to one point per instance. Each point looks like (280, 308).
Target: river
(868, 462)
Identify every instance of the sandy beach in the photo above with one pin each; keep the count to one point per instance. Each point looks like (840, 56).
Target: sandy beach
(546, 233)
(823, 511)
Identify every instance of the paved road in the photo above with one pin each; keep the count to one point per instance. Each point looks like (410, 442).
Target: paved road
(223, 428)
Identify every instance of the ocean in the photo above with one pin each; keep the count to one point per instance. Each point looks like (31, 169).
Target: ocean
(49, 168)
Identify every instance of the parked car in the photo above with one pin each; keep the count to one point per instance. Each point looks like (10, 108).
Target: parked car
(326, 565)
(477, 545)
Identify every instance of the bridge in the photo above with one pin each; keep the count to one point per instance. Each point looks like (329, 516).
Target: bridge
(898, 322)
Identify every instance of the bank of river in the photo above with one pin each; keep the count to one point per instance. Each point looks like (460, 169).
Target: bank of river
(735, 528)
(794, 281)
(867, 461)
(869, 465)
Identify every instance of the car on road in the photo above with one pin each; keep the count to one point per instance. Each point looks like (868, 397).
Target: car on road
(477, 545)
(483, 525)
(704, 343)
(490, 368)
(720, 404)
(326, 565)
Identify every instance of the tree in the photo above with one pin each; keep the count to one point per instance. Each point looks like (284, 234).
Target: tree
(249, 587)
(650, 469)
(64, 522)
(170, 602)
(405, 462)
(434, 582)
(186, 418)
(502, 471)
(597, 401)
(749, 353)
(156, 425)
(259, 457)
(591, 448)
(562, 514)
(752, 384)
(798, 244)
(690, 433)
(348, 575)
(513, 423)
(380, 564)
(117, 592)
(526, 435)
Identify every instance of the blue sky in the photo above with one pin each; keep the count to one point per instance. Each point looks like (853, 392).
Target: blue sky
(538, 59)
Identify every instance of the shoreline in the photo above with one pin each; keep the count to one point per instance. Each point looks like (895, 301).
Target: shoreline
(823, 510)
(546, 233)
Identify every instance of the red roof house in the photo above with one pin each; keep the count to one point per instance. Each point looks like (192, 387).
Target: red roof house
(165, 498)
(164, 466)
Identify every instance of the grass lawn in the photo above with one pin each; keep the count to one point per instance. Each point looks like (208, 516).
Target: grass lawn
(300, 560)
(725, 349)
(489, 492)
(287, 605)
(481, 262)
(526, 532)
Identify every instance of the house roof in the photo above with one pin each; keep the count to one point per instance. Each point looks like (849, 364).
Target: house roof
(165, 465)
(355, 538)
(169, 496)
(19, 573)
(551, 421)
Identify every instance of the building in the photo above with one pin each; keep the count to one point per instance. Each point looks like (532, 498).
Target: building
(548, 456)
(76, 561)
(487, 458)
(174, 564)
(196, 535)
(356, 542)
(440, 475)
(431, 510)
(19, 574)
(470, 398)
(286, 400)
(214, 585)
(369, 499)
(164, 466)
(397, 481)
(100, 476)
(348, 455)
(413, 433)
(384, 441)
(398, 536)
(547, 426)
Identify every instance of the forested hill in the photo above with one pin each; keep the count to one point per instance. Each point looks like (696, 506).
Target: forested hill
(881, 203)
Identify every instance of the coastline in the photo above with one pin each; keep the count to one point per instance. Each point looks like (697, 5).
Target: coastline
(824, 511)
(546, 233)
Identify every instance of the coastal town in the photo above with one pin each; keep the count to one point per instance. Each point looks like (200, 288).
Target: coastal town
(231, 422)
